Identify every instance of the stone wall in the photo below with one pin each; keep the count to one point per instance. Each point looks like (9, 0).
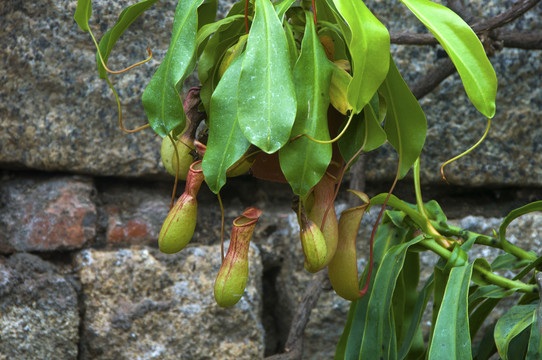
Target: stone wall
(81, 203)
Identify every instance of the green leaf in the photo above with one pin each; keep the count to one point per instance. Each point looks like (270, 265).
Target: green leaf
(282, 6)
(464, 49)
(226, 143)
(451, 338)
(486, 348)
(488, 291)
(509, 262)
(365, 130)
(405, 124)
(369, 46)
(207, 12)
(379, 333)
(205, 31)
(83, 11)
(534, 350)
(213, 51)
(349, 345)
(126, 18)
(266, 94)
(304, 161)
(510, 325)
(161, 98)
(410, 344)
(514, 214)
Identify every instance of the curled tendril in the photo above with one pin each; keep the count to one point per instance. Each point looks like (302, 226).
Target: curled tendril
(465, 152)
(119, 107)
(326, 141)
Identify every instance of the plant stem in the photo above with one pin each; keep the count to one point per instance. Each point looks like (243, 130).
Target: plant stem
(417, 188)
(486, 240)
(488, 275)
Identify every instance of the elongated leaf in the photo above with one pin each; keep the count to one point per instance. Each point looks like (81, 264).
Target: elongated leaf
(282, 6)
(514, 214)
(226, 143)
(207, 12)
(349, 345)
(266, 94)
(510, 325)
(161, 99)
(83, 11)
(405, 303)
(126, 18)
(379, 339)
(304, 161)
(534, 350)
(405, 124)
(211, 28)
(464, 49)
(414, 329)
(369, 46)
(451, 338)
(365, 130)
(214, 50)
(487, 347)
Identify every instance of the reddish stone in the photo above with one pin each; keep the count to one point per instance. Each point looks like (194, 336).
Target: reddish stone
(47, 213)
(134, 214)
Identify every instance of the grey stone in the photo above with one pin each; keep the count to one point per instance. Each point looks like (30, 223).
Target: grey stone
(141, 304)
(39, 317)
(56, 113)
(45, 213)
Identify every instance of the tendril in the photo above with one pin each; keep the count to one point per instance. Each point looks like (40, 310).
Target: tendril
(246, 16)
(221, 227)
(176, 171)
(149, 52)
(467, 151)
(327, 141)
(119, 107)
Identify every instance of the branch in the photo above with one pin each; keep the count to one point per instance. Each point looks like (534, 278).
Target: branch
(433, 78)
(516, 11)
(529, 40)
(293, 349)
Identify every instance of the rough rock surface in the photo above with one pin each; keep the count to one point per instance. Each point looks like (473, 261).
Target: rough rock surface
(39, 318)
(141, 304)
(44, 213)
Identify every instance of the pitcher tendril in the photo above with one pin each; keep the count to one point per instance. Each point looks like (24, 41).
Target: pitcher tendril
(467, 151)
(327, 141)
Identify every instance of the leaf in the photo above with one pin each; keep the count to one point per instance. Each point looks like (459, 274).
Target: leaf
(209, 61)
(510, 325)
(451, 338)
(282, 6)
(207, 12)
(413, 329)
(304, 161)
(365, 130)
(161, 98)
(509, 262)
(205, 31)
(369, 46)
(534, 350)
(82, 15)
(514, 214)
(126, 18)
(349, 345)
(405, 124)
(379, 333)
(266, 94)
(464, 49)
(226, 143)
